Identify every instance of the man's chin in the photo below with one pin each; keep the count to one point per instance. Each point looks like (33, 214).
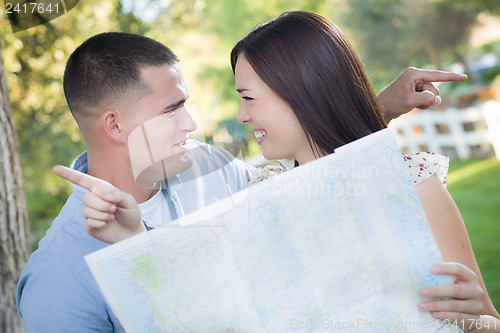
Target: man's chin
(152, 176)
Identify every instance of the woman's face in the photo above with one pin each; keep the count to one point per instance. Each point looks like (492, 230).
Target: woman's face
(276, 127)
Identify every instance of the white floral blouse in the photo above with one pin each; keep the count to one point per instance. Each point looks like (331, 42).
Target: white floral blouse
(420, 165)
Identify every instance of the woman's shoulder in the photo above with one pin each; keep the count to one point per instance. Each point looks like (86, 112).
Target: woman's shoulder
(265, 172)
(425, 164)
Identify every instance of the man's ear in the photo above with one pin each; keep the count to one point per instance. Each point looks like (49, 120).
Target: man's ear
(112, 125)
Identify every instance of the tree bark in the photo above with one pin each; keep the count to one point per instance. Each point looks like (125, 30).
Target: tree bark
(14, 226)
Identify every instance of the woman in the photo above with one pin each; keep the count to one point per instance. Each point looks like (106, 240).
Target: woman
(304, 92)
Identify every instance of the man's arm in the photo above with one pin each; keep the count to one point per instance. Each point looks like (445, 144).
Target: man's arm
(413, 88)
(111, 214)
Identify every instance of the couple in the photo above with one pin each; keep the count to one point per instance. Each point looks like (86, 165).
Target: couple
(284, 70)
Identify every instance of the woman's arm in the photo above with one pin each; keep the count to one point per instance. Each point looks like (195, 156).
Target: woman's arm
(453, 241)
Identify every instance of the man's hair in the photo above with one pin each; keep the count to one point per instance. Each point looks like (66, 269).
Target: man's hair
(107, 66)
(309, 63)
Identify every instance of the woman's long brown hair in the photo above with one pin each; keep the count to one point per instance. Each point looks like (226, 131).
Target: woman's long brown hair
(308, 62)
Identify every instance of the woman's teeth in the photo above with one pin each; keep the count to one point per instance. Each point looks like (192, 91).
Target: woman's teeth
(260, 134)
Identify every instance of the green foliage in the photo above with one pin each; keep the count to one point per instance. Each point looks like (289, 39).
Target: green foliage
(394, 34)
(490, 74)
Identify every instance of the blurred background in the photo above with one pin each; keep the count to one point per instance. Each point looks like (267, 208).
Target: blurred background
(458, 35)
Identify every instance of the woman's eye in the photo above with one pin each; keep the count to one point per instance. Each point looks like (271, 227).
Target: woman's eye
(247, 98)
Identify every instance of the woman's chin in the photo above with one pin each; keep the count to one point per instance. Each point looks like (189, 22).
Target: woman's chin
(272, 155)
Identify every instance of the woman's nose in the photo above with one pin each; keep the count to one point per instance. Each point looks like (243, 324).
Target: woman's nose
(243, 115)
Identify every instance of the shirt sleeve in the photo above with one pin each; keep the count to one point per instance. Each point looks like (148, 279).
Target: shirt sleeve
(51, 298)
(265, 172)
(424, 165)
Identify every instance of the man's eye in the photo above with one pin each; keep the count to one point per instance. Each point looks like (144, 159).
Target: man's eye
(171, 112)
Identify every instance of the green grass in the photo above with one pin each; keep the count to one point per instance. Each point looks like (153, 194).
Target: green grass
(475, 186)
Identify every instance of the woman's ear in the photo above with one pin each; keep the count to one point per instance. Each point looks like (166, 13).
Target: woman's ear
(112, 126)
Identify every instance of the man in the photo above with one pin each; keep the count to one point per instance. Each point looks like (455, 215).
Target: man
(117, 85)
(114, 83)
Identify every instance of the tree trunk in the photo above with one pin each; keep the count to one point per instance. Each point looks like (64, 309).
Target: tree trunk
(14, 226)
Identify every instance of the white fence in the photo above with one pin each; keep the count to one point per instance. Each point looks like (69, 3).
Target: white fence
(462, 133)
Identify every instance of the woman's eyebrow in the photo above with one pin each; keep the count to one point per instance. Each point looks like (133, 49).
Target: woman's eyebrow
(241, 90)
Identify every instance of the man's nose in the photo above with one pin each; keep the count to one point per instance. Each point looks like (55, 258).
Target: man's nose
(187, 123)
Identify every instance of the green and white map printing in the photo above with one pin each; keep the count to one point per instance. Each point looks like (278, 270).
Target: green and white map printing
(340, 243)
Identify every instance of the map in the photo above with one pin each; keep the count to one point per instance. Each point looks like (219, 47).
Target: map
(341, 243)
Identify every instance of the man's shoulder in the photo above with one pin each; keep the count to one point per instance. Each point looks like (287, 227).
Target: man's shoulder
(67, 231)
(56, 290)
(56, 276)
(66, 241)
(65, 244)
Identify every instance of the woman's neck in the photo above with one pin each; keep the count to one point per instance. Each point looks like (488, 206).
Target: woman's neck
(307, 155)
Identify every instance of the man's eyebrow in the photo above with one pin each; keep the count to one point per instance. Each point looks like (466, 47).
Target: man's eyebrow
(177, 104)
(241, 90)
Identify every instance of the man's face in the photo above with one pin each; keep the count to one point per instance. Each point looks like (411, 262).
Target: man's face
(157, 126)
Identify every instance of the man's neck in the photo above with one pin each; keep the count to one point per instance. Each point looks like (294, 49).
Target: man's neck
(118, 172)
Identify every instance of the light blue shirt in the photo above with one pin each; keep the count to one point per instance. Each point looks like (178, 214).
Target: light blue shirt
(57, 292)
